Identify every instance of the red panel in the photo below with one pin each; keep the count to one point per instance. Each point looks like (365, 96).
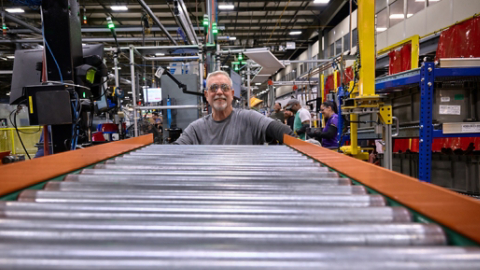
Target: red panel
(460, 40)
(395, 62)
(406, 54)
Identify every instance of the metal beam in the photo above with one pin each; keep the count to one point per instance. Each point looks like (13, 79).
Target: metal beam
(156, 20)
(18, 21)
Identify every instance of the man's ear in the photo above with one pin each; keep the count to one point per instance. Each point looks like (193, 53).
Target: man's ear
(205, 93)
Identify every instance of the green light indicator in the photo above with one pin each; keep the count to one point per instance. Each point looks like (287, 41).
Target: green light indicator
(111, 26)
(214, 28)
(4, 27)
(144, 78)
(240, 56)
(84, 94)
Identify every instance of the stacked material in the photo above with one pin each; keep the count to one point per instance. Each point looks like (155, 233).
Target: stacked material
(216, 207)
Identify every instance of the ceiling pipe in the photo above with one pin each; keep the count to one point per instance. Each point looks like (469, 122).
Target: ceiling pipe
(100, 39)
(156, 20)
(117, 29)
(18, 21)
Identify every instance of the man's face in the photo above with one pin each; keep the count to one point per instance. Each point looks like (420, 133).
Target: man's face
(277, 107)
(219, 98)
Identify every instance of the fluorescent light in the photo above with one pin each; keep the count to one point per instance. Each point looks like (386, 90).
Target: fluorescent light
(117, 68)
(232, 38)
(8, 94)
(226, 6)
(15, 10)
(321, 1)
(119, 8)
(381, 29)
(159, 54)
(258, 83)
(11, 56)
(400, 16)
(295, 33)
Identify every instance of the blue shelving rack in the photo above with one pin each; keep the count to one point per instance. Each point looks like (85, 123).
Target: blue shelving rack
(426, 76)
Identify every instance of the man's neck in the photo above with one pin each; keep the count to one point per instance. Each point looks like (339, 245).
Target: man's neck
(222, 115)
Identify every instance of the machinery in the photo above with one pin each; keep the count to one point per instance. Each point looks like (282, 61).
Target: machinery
(228, 207)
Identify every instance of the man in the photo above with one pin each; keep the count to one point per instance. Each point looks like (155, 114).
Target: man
(302, 117)
(290, 118)
(277, 114)
(157, 120)
(226, 125)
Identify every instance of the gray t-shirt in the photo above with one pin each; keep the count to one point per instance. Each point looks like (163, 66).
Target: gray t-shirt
(240, 127)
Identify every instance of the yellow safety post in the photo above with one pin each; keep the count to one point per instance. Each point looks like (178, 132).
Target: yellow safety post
(415, 41)
(13, 142)
(366, 34)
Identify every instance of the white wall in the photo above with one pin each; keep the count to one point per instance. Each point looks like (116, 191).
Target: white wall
(437, 16)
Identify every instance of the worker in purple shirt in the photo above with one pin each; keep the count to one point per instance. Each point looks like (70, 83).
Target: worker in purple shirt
(328, 136)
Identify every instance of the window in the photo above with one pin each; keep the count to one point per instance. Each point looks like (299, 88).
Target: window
(355, 37)
(379, 5)
(414, 6)
(396, 13)
(346, 42)
(382, 21)
(332, 50)
(338, 46)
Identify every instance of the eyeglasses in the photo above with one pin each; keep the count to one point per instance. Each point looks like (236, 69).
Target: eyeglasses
(214, 88)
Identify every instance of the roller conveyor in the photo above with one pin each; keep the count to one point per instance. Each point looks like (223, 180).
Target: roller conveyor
(217, 207)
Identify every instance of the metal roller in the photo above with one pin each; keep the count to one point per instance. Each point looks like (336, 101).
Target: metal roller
(261, 252)
(205, 164)
(200, 211)
(272, 175)
(114, 165)
(116, 196)
(181, 186)
(156, 179)
(219, 232)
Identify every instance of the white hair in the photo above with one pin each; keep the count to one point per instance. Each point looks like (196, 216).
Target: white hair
(219, 72)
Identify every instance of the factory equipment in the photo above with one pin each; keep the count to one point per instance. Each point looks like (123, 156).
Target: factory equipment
(229, 207)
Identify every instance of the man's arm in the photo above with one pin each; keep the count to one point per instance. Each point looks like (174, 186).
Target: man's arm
(276, 130)
(186, 137)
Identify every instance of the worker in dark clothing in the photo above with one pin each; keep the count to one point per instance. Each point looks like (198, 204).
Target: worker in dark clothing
(328, 136)
(289, 118)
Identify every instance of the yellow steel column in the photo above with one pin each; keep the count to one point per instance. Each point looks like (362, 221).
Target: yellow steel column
(366, 37)
(335, 74)
(12, 136)
(415, 52)
(353, 124)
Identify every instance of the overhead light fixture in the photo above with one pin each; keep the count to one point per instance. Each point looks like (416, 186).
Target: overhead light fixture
(258, 83)
(8, 94)
(11, 56)
(119, 8)
(321, 1)
(400, 16)
(226, 6)
(15, 10)
(159, 54)
(232, 38)
(295, 33)
(118, 68)
(381, 29)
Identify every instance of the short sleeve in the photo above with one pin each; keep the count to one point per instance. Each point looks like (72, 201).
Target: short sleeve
(334, 121)
(304, 116)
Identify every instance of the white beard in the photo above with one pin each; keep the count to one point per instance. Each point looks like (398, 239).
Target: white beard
(220, 107)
